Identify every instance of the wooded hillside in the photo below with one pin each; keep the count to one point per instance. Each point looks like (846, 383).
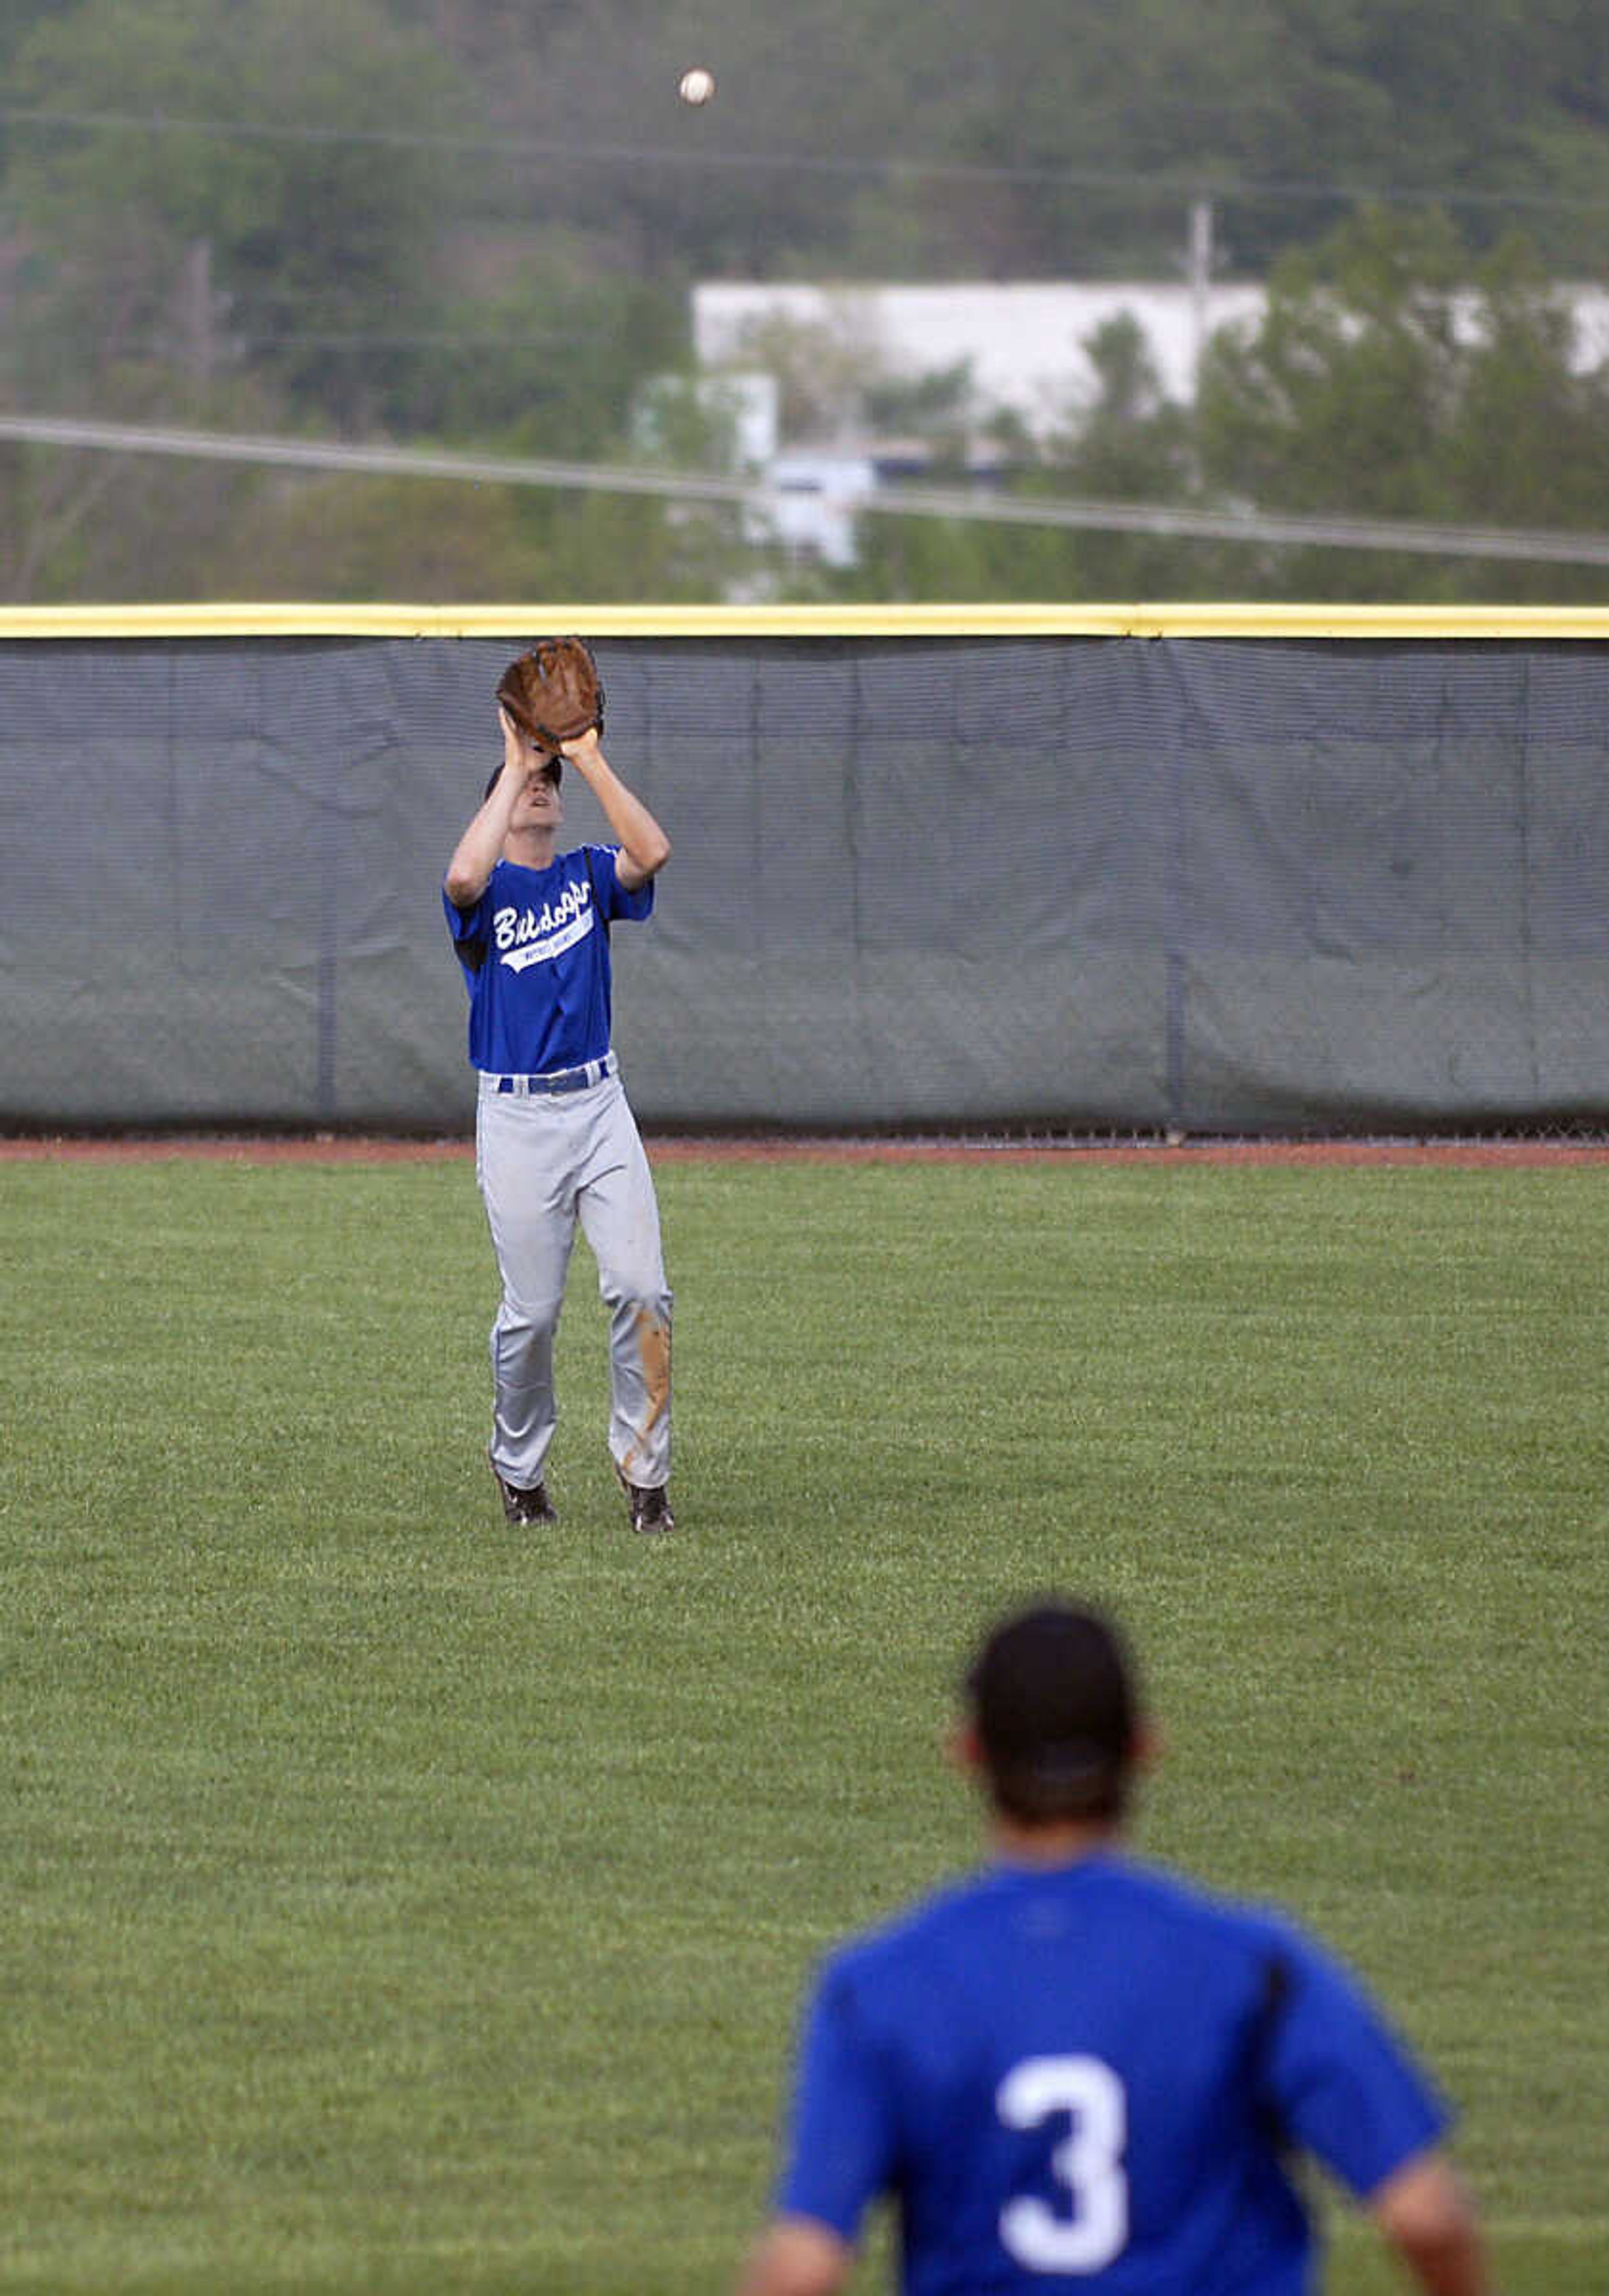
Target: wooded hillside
(469, 222)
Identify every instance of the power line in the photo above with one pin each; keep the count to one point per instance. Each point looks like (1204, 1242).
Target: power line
(1338, 533)
(881, 169)
(440, 340)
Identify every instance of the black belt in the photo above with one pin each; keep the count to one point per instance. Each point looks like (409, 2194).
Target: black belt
(579, 1079)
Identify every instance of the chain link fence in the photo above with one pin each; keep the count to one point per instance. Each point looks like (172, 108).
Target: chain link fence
(1053, 884)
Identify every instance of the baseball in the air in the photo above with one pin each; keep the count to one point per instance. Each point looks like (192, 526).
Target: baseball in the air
(696, 86)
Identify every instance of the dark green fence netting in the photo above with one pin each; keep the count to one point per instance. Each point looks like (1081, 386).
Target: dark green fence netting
(1053, 884)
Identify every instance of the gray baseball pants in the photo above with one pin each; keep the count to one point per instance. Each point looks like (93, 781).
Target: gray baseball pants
(543, 1163)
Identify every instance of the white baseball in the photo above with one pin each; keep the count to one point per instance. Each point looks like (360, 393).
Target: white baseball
(696, 86)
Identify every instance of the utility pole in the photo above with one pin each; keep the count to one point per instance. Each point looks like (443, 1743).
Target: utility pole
(1199, 270)
(198, 313)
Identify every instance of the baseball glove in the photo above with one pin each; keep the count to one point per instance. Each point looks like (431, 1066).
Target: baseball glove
(554, 692)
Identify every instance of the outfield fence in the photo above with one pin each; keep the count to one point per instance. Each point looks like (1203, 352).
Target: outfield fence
(1048, 869)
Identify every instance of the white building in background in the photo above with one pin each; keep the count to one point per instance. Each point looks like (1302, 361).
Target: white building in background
(813, 504)
(811, 494)
(1025, 345)
(1024, 342)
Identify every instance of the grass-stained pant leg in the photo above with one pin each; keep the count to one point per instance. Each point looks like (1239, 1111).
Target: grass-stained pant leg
(620, 1215)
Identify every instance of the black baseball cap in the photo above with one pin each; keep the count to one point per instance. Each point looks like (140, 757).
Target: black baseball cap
(553, 766)
(1056, 1708)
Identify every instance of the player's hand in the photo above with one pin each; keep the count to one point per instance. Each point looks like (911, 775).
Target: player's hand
(519, 750)
(583, 751)
(515, 743)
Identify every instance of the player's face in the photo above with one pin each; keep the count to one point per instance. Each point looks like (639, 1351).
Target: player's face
(540, 804)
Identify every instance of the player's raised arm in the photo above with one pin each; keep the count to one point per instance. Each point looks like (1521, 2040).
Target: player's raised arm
(479, 848)
(644, 847)
(1426, 2215)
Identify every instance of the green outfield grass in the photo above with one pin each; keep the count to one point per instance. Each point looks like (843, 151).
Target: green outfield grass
(397, 1902)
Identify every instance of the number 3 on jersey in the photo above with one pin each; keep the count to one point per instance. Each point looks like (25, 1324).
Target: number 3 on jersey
(1088, 2164)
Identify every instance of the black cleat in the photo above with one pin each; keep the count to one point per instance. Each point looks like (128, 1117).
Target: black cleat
(650, 1510)
(533, 1505)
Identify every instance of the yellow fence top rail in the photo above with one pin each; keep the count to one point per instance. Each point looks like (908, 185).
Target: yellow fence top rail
(1223, 619)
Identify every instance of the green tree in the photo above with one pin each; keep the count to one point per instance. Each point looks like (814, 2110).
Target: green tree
(110, 525)
(362, 539)
(547, 363)
(1336, 399)
(1393, 376)
(1131, 444)
(1530, 443)
(307, 235)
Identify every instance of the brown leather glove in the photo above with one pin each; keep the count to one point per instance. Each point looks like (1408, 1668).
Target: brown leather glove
(554, 692)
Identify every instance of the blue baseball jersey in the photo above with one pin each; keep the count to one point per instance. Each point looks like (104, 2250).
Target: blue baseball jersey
(1088, 2078)
(535, 952)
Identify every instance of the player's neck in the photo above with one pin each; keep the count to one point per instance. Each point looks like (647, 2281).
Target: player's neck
(1061, 1844)
(530, 849)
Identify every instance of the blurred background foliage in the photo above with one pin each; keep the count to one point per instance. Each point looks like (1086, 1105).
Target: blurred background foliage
(468, 224)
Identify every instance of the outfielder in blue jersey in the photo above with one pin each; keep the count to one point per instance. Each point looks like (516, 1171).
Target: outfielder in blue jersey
(556, 1145)
(1075, 2072)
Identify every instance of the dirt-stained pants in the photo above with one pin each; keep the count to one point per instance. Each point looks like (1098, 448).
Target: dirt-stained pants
(545, 1162)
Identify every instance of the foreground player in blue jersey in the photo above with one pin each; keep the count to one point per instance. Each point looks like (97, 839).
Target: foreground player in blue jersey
(1075, 2072)
(555, 1141)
